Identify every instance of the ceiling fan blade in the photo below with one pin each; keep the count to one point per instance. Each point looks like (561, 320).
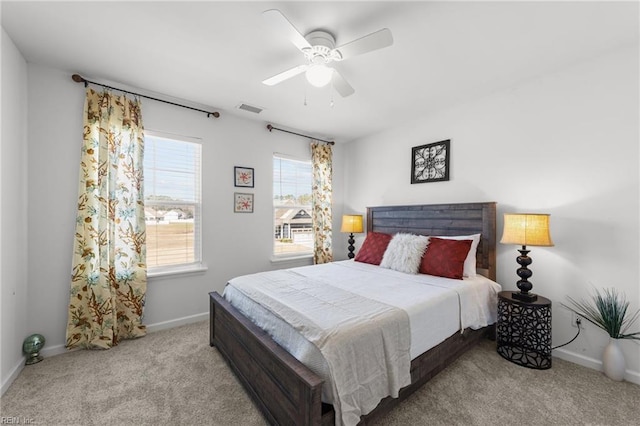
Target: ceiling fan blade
(279, 23)
(285, 75)
(373, 41)
(341, 85)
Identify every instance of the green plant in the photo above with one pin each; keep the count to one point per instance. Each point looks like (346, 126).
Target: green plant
(607, 310)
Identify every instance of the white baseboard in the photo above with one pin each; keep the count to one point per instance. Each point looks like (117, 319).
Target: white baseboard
(177, 322)
(61, 349)
(55, 350)
(594, 364)
(14, 375)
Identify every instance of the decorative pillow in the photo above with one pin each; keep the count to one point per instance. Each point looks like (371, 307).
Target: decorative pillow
(373, 248)
(470, 261)
(445, 258)
(404, 253)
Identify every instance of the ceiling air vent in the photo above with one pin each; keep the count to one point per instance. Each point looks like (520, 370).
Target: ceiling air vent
(250, 108)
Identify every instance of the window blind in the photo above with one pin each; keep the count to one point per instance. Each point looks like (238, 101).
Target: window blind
(172, 189)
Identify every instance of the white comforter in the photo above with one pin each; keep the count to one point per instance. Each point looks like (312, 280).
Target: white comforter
(436, 308)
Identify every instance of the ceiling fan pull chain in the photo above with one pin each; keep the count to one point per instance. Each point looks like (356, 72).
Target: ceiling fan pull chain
(331, 95)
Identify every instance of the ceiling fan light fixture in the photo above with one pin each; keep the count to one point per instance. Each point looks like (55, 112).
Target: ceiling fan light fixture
(319, 49)
(319, 75)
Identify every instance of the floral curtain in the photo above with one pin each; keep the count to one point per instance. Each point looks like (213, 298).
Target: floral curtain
(321, 159)
(109, 273)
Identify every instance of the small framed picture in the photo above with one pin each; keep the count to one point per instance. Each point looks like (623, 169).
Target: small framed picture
(430, 163)
(242, 203)
(243, 176)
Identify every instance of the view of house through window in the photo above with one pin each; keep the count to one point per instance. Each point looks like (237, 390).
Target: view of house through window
(172, 202)
(293, 230)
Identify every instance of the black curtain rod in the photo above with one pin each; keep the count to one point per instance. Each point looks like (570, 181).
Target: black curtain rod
(79, 79)
(270, 127)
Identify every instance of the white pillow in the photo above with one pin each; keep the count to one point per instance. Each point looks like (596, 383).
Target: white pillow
(404, 253)
(470, 261)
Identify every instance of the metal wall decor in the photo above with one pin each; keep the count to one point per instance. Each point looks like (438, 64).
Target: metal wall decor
(430, 163)
(242, 203)
(243, 176)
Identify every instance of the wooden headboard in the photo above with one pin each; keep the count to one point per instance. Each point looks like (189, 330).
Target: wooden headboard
(443, 219)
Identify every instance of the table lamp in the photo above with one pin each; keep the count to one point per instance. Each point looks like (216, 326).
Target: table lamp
(351, 223)
(526, 229)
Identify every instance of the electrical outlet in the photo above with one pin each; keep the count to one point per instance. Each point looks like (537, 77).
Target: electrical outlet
(577, 321)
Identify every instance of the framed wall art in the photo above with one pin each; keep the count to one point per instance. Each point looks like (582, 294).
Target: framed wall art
(242, 203)
(243, 176)
(430, 163)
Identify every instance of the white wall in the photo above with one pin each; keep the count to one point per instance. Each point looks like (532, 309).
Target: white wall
(13, 205)
(566, 144)
(233, 243)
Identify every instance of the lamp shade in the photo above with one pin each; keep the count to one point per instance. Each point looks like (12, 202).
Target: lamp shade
(527, 229)
(351, 223)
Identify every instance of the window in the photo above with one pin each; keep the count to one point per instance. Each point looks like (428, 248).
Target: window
(292, 222)
(172, 203)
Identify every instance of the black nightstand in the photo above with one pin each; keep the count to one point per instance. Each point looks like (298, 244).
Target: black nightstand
(523, 332)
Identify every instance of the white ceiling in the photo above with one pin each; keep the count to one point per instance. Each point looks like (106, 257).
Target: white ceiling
(217, 53)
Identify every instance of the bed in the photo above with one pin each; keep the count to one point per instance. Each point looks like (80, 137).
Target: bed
(287, 391)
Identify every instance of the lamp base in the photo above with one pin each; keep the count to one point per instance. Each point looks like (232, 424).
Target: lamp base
(524, 273)
(351, 248)
(525, 297)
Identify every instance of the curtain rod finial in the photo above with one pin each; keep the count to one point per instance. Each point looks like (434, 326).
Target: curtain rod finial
(79, 79)
(269, 127)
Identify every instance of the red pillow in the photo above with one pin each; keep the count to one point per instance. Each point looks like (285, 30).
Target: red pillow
(373, 248)
(445, 258)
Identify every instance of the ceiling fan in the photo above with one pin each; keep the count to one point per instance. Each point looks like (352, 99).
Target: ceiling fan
(319, 50)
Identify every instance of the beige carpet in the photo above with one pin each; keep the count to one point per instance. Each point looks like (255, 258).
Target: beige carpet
(175, 377)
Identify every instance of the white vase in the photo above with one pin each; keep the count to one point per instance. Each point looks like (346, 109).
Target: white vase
(613, 360)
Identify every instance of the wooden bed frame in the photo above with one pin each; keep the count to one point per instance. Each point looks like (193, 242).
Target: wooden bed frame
(284, 389)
